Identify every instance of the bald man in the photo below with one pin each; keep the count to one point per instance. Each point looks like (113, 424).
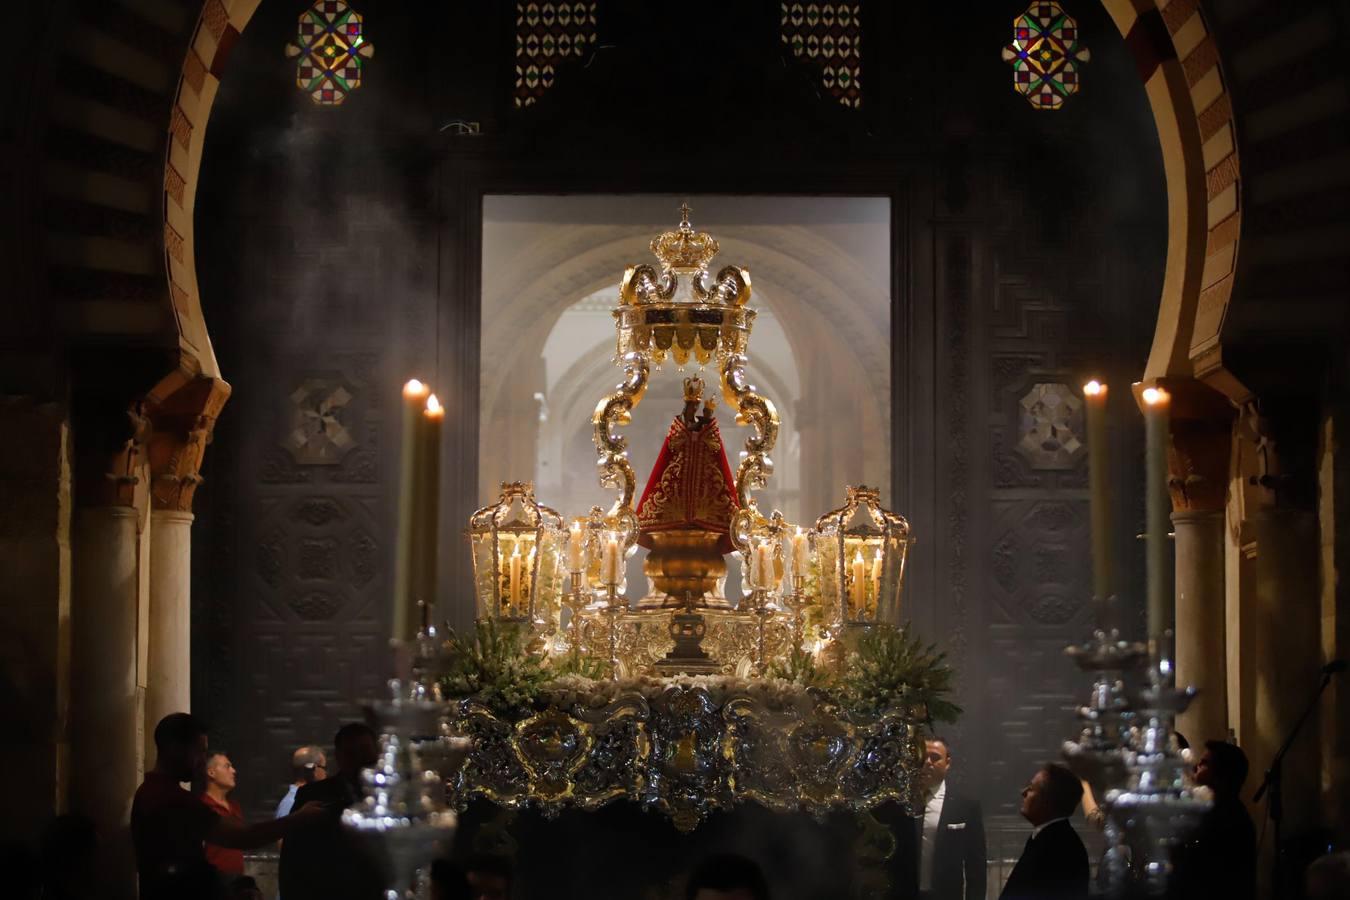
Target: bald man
(308, 764)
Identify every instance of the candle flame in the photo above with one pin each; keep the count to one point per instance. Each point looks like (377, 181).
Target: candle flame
(1093, 388)
(859, 557)
(415, 388)
(434, 407)
(1156, 396)
(516, 552)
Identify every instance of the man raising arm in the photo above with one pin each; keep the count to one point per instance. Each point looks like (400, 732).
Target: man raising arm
(170, 827)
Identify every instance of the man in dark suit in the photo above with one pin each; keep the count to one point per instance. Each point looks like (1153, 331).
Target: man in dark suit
(1054, 865)
(325, 861)
(951, 848)
(1219, 857)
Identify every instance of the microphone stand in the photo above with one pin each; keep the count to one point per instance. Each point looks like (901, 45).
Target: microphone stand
(1274, 783)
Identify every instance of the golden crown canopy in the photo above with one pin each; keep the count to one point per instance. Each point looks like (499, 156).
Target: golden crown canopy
(684, 250)
(679, 310)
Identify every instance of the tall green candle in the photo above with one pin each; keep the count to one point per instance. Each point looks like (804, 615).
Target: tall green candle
(1099, 480)
(429, 514)
(414, 400)
(1161, 611)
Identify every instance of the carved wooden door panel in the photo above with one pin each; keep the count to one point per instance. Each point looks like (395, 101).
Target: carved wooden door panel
(1019, 329)
(298, 622)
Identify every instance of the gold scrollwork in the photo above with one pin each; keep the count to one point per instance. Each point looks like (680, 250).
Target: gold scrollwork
(614, 410)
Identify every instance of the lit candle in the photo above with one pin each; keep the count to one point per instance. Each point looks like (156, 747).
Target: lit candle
(876, 581)
(609, 561)
(513, 581)
(764, 558)
(429, 509)
(801, 554)
(527, 580)
(1158, 509)
(1094, 401)
(576, 548)
(414, 398)
(859, 586)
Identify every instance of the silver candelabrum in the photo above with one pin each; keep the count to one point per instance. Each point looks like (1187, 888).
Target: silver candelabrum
(1127, 752)
(403, 813)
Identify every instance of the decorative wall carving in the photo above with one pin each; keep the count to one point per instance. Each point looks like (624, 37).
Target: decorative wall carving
(318, 559)
(279, 467)
(319, 432)
(363, 552)
(271, 556)
(318, 511)
(1050, 424)
(315, 606)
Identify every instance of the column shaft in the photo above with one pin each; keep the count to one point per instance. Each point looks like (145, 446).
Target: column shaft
(1201, 624)
(169, 687)
(1287, 658)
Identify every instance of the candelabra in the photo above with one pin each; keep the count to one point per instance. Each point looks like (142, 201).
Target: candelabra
(1157, 807)
(1098, 754)
(1127, 746)
(403, 813)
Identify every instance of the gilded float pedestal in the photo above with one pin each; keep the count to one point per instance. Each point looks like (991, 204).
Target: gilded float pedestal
(684, 566)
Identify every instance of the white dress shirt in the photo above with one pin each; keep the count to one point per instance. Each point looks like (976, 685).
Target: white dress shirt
(287, 802)
(932, 814)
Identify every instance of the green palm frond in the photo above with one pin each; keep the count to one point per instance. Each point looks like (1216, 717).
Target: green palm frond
(891, 667)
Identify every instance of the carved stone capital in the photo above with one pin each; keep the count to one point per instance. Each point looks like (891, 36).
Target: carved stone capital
(183, 410)
(1200, 448)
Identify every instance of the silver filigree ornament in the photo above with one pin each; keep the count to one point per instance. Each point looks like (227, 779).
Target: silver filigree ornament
(403, 814)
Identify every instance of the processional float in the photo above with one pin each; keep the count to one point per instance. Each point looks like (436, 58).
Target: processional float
(808, 695)
(566, 695)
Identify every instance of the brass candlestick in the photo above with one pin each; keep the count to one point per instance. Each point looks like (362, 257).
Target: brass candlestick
(760, 598)
(612, 610)
(798, 604)
(575, 604)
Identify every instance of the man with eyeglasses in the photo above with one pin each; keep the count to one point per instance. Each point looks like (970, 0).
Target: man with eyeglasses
(308, 764)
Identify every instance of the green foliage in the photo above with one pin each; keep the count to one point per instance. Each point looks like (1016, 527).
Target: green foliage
(494, 667)
(800, 668)
(890, 667)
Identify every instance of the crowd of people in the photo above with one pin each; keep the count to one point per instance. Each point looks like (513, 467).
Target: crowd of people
(191, 843)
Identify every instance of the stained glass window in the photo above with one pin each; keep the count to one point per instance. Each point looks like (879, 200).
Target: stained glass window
(548, 35)
(332, 48)
(1045, 54)
(828, 37)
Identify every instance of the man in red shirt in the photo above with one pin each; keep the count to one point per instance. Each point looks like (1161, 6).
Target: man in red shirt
(170, 827)
(220, 780)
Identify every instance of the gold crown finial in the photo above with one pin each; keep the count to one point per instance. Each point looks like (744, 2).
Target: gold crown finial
(693, 389)
(684, 251)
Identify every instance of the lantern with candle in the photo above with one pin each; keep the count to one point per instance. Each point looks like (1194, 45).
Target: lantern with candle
(861, 551)
(519, 554)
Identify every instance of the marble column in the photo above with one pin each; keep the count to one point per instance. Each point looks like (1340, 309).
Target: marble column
(1201, 622)
(169, 683)
(182, 412)
(1287, 657)
(1199, 459)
